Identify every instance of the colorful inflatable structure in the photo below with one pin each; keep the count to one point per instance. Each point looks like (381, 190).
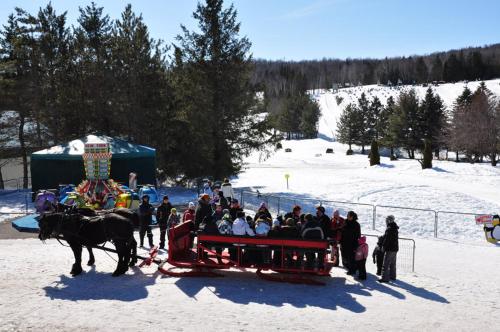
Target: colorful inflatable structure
(491, 227)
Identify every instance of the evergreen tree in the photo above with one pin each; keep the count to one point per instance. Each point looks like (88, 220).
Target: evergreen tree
(427, 155)
(404, 125)
(421, 70)
(384, 130)
(348, 126)
(376, 117)
(217, 96)
(374, 154)
(452, 69)
(309, 117)
(365, 123)
(436, 69)
(432, 117)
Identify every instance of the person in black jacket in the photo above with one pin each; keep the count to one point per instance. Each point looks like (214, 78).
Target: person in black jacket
(204, 209)
(378, 254)
(146, 217)
(209, 227)
(223, 201)
(391, 248)
(287, 231)
(295, 215)
(311, 229)
(235, 208)
(162, 213)
(349, 241)
(324, 221)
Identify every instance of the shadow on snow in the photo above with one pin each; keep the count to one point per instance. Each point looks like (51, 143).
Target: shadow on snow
(93, 285)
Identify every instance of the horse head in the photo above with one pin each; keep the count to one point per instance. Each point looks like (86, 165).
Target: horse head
(49, 225)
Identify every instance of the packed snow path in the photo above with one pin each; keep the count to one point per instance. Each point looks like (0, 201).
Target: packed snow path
(454, 289)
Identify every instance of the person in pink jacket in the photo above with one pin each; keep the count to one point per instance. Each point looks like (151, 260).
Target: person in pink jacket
(360, 257)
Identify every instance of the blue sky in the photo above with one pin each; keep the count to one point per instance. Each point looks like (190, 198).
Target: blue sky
(301, 29)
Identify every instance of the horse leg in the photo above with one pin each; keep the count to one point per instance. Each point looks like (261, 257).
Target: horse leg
(77, 252)
(133, 252)
(120, 268)
(91, 257)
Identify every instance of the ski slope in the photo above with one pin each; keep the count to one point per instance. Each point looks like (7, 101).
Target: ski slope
(449, 186)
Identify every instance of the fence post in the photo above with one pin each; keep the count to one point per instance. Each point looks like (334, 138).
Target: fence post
(436, 224)
(278, 205)
(26, 203)
(374, 216)
(241, 199)
(413, 260)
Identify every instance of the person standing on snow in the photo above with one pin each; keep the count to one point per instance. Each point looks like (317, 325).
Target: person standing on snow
(162, 213)
(189, 213)
(391, 248)
(227, 190)
(351, 232)
(146, 217)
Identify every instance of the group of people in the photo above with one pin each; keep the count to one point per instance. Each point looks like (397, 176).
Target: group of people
(224, 216)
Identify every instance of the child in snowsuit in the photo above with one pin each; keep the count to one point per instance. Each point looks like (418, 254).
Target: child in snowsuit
(173, 219)
(360, 257)
(378, 254)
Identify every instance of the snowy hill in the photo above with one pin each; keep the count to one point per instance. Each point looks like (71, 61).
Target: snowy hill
(331, 110)
(319, 176)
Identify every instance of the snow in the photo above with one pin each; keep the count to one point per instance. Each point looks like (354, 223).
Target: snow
(13, 203)
(454, 287)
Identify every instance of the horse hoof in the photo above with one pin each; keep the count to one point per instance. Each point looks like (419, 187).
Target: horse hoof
(132, 263)
(115, 274)
(90, 262)
(74, 273)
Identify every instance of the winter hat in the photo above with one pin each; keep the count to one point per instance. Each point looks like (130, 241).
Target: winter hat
(263, 205)
(290, 222)
(173, 210)
(308, 217)
(321, 208)
(165, 197)
(191, 205)
(389, 219)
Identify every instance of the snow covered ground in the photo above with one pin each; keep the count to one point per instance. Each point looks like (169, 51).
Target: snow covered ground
(455, 286)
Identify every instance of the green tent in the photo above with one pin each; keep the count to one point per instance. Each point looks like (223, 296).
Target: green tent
(63, 164)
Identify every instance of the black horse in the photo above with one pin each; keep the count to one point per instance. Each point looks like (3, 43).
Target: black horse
(79, 231)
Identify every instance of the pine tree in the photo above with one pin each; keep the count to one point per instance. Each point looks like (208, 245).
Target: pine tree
(217, 96)
(366, 122)
(427, 160)
(374, 154)
(404, 127)
(384, 131)
(432, 117)
(421, 70)
(436, 69)
(348, 126)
